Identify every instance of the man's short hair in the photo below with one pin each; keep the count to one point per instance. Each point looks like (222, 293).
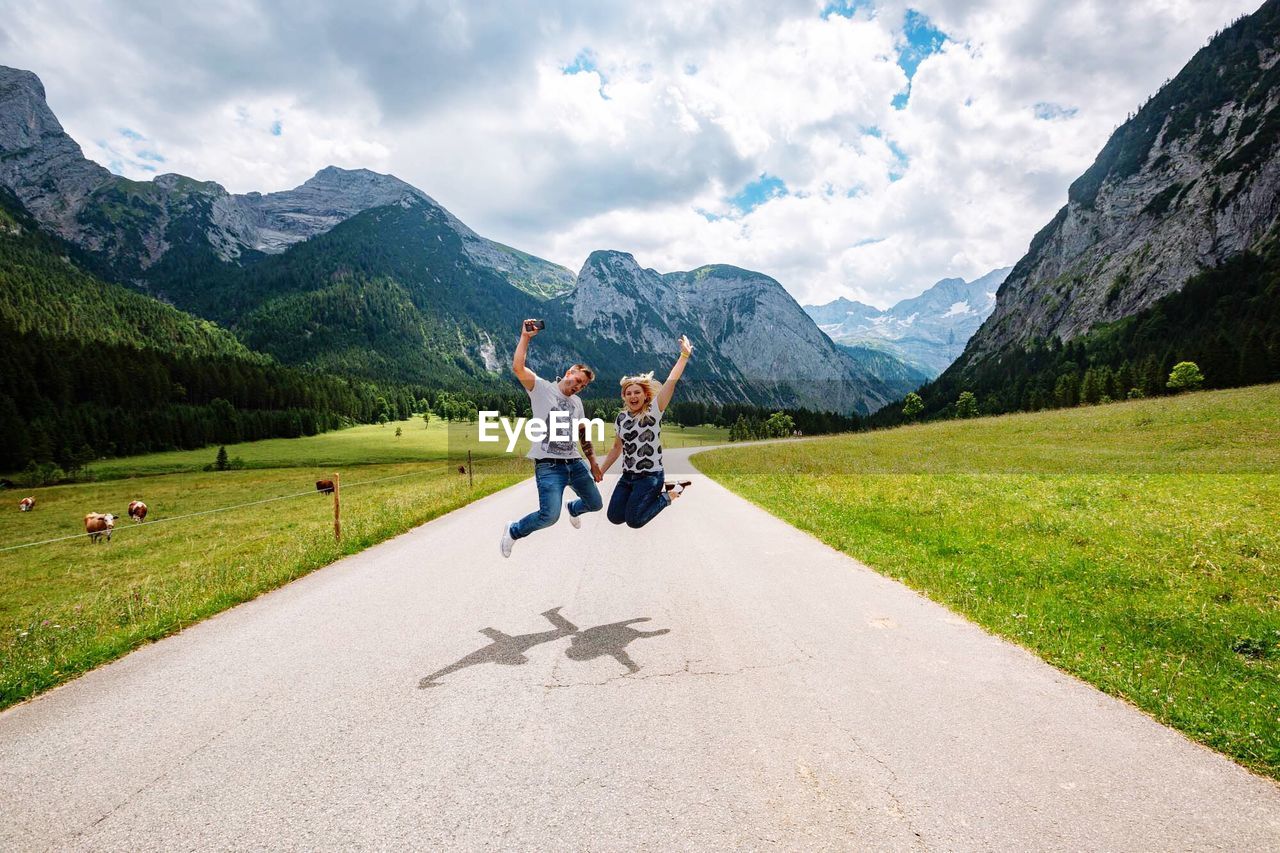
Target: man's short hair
(591, 374)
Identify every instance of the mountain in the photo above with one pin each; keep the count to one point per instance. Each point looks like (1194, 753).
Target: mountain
(363, 274)
(897, 375)
(751, 339)
(1164, 251)
(92, 368)
(154, 232)
(835, 314)
(926, 332)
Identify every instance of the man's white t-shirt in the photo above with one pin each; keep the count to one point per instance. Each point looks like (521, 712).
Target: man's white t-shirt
(546, 398)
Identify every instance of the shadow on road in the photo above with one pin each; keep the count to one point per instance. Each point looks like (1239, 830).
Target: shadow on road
(584, 645)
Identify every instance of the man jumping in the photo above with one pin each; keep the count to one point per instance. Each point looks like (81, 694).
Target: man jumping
(556, 464)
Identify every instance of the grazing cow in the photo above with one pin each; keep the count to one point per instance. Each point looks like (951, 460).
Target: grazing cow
(324, 486)
(96, 524)
(27, 504)
(137, 511)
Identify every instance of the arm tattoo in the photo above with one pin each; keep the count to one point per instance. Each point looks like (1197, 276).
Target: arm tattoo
(587, 447)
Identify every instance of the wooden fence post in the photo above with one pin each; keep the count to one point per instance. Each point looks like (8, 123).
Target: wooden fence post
(337, 509)
(471, 480)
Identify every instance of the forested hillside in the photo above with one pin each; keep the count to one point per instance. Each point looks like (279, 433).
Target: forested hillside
(93, 369)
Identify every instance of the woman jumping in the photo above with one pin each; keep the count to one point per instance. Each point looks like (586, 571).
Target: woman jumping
(641, 493)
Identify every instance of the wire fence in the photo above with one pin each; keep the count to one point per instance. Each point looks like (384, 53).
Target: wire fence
(468, 468)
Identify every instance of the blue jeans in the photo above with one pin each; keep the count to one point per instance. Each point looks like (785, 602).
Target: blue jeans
(552, 477)
(637, 499)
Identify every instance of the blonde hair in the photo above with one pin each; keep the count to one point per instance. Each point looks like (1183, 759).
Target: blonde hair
(646, 381)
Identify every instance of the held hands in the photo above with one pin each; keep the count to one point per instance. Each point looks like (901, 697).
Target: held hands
(596, 473)
(686, 348)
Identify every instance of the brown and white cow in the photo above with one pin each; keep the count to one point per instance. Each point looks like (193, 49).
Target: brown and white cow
(96, 524)
(27, 504)
(137, 511)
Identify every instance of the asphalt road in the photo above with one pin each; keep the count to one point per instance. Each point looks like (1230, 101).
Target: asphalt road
(718, 680)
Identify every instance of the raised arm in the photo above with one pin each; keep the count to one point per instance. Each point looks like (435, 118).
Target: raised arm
(524, 374)
(669, 387)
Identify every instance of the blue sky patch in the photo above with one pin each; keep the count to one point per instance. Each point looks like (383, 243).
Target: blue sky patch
(151, 155)
(585, 63)
(127, 133)
(845, 8)
(923, 40)
(901, 161)
(757, 192)
(276, 128)
(1048, 112)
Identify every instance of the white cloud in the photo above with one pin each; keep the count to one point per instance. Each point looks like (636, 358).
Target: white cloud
(677, 107)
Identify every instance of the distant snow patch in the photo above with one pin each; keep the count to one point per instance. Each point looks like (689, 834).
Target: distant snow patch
(958, 309)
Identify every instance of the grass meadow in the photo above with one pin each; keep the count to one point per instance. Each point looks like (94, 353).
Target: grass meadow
(362, 445)
(68, 606)
(1135, 545)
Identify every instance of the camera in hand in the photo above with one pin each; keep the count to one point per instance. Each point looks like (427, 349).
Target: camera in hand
(534, 325)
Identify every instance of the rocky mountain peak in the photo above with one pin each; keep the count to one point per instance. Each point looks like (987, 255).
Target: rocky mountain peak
(926, 331)
(274, 221)
(39, 162)
(1187, 183)
(25, 117)
(613, 259)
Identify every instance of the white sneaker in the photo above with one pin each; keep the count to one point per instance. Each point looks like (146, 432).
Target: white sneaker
(507, 542)
(575, 520)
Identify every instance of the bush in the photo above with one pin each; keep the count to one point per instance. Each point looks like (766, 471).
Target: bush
(1186, 376)
(779, 425)
(42, 474)
(912, 405)
(967, 405)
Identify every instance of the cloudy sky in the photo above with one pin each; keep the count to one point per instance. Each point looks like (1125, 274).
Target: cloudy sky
(858, 149)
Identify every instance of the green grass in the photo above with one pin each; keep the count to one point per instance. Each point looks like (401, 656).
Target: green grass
(1135, 545)
(361, 445)
(69, 606)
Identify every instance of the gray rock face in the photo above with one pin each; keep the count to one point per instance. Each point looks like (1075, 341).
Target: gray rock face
(39, 162)
(750, 336)
(273, 222)
(130, 221)
(841, 312)
(1188, 182)
(927, 331)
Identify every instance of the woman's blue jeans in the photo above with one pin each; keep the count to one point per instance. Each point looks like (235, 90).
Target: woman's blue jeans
(637, 499)
(552, 477)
